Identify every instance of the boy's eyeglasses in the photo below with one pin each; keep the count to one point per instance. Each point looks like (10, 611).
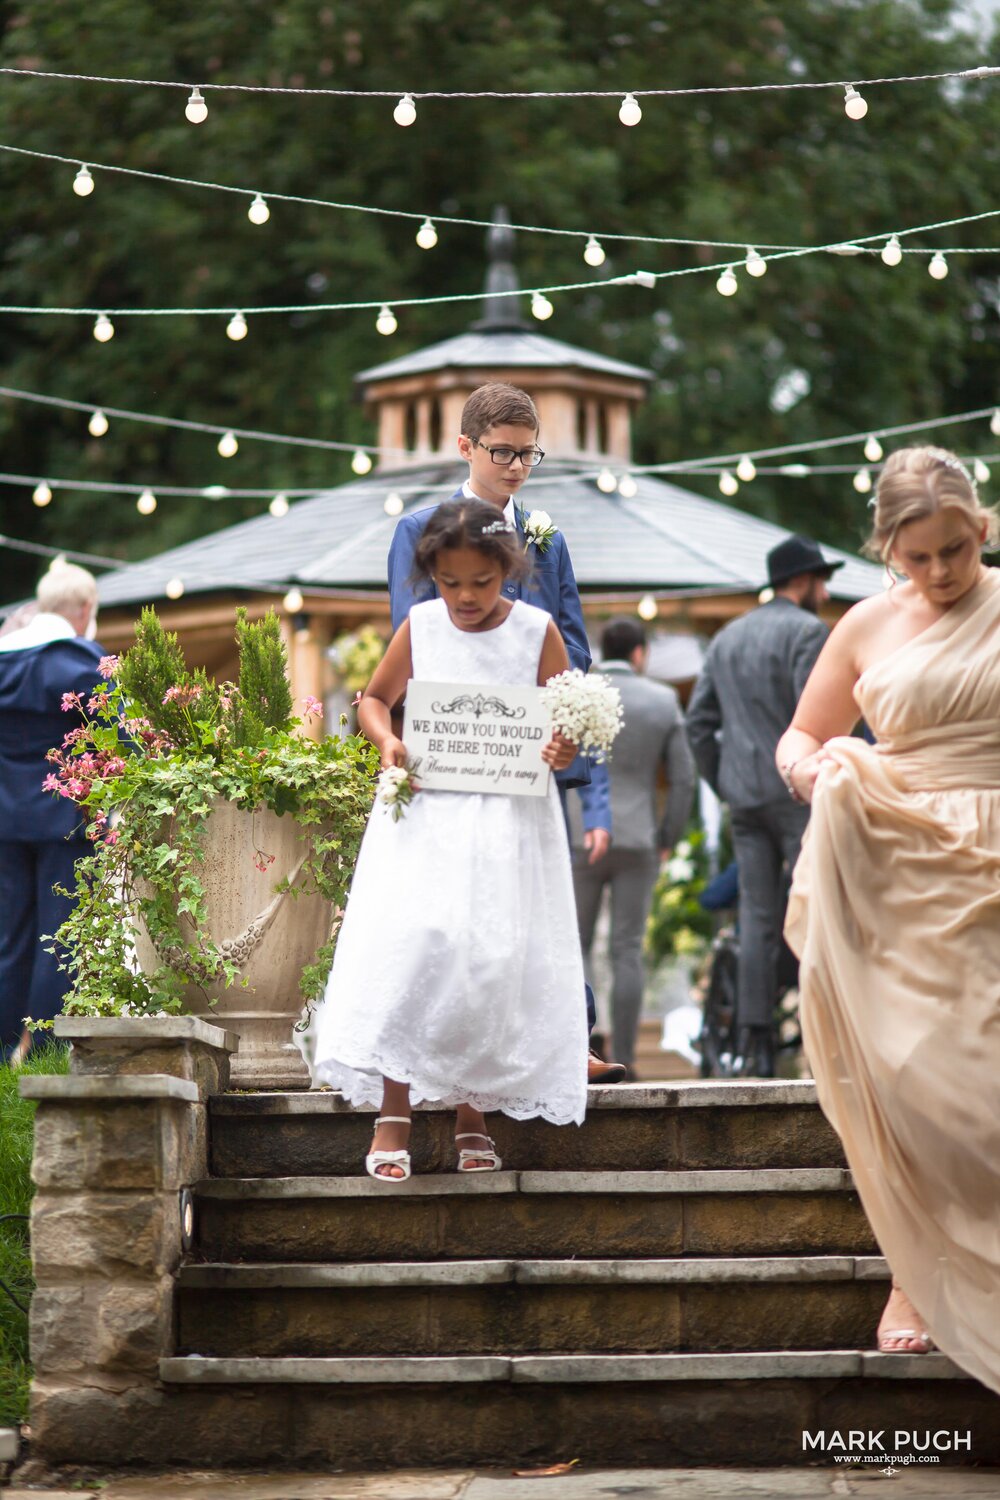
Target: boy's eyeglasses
(530, 457)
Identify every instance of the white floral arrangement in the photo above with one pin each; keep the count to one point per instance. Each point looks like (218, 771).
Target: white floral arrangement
(587, 709)
(538, 530)
(396, 788)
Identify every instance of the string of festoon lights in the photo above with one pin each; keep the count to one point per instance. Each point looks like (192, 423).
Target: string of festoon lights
(730, 469)
(427, 238)
(405, 111)
(888, 245)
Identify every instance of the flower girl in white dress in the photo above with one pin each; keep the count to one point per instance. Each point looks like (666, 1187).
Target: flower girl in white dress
(457, 974)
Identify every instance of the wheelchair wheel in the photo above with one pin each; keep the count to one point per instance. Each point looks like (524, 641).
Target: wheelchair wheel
(717, 1041)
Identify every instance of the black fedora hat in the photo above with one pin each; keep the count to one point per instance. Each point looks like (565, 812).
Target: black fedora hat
(795, 555)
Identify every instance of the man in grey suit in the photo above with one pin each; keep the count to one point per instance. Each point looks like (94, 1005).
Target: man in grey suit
(753, 674)
(652, 735)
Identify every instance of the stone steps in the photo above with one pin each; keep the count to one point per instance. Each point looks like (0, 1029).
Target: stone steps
(789, 1211)
(683, 1126)
(437, 1309)
(668, 1409)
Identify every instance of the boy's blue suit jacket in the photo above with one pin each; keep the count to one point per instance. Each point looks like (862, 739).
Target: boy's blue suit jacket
(552, 587)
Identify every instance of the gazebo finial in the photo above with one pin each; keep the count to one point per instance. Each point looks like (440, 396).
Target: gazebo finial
(500, 312)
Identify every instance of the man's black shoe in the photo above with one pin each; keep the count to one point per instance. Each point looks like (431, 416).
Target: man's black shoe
(755, 1053)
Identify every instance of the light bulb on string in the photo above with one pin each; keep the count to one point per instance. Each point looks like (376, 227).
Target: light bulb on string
(236, 328)
(755, 263)
(728, 483)
(196, 110)
(606, 482)
(98, 424)
(427, 235)
(541, 307)
(593, 252)
(215, 491)
(627, 486)
(393, 504)
(278, 505)
(104, 329)
(727, 283)
(405, 112)
(629, 112)
(146, 503)
(892, 252)
(647, 608)
(937, 266)
(41, 494)
(361, 462)
(258, 212)
(980, 471)
(386, 321)
(293, 600)
(83, 182)
(227, 445)
(862, 481)
(995, 422)
(746, 469)
(873, 449)
(174, 588)
(855, 107)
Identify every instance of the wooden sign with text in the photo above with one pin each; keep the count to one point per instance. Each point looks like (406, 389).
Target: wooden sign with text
(476, 738)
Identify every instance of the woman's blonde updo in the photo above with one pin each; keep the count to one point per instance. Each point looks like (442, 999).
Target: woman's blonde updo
(914, 484)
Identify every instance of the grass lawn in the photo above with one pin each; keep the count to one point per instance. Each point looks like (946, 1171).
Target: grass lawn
(16, 1126)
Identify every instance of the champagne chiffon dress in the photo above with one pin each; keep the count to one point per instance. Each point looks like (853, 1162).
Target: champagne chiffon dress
(895, 914)
(458, 967)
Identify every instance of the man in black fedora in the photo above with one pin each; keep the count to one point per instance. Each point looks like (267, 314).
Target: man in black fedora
(743, 702)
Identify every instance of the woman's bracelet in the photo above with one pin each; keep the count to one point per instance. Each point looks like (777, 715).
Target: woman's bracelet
(786, 776)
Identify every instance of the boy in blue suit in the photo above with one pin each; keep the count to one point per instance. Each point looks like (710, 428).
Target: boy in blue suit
(499, 441)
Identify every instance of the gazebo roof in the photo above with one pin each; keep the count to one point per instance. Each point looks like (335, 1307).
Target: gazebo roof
(501, 348)
(661, 539)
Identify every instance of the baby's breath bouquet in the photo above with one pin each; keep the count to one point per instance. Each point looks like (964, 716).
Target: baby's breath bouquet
(586, 709)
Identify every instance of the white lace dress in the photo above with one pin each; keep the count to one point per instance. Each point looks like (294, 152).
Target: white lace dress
(458, 966)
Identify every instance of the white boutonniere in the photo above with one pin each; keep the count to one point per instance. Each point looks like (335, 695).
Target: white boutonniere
(538, 530)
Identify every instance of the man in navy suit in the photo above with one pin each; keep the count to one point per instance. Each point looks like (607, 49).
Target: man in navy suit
(499, 441)
(41, 836)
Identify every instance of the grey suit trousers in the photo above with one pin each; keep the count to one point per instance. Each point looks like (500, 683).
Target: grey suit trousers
(631, 874)
(766, 842)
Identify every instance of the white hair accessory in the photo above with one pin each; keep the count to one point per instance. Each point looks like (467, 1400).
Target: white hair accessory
(500, 525)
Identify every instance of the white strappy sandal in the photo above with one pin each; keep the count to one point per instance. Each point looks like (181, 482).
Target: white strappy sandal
(376, 1159)
(488, 1154)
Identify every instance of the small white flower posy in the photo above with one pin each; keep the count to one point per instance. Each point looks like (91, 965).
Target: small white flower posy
(396, 788)
(538, 530)
(587, 709)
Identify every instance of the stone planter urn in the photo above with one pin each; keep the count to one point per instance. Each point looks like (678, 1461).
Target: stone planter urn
(271, 936)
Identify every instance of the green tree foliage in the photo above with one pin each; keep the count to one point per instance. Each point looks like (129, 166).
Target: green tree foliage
(874, 346)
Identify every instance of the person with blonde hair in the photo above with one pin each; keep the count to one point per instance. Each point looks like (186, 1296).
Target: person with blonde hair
(49, 655)
(895, 905)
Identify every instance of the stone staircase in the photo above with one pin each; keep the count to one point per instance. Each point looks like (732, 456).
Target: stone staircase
(686, 1279)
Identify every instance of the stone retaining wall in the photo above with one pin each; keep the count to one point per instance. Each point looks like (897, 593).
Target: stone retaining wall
(118, 1140)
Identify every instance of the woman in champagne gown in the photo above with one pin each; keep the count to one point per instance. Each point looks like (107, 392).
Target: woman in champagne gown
(895, 907)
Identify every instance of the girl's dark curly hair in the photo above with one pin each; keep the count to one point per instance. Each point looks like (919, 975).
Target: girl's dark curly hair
(469, 523)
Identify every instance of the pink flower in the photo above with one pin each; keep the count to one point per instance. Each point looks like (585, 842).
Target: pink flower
(113, 766)
(51, 783)
(262, 860)
(312, 706)
(112, 836)
(98, 701)
(184, 696)
(76, 788)
(71, 700)
(107, 666)
(357, 698)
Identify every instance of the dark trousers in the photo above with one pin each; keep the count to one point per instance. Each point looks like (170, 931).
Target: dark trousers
(766, 842)
(588, 993)
(31, 983)
(631, 874)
